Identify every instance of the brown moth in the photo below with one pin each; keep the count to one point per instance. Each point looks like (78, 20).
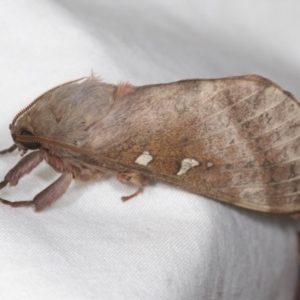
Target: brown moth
(234, 139)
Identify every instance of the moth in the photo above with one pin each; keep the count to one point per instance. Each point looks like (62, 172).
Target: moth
(233, 139)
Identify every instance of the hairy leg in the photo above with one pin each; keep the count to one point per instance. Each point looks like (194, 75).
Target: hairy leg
(133, 178)
(10, 149)
(46, 197)
(23, 167)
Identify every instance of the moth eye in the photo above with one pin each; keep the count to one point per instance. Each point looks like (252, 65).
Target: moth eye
(28, 145)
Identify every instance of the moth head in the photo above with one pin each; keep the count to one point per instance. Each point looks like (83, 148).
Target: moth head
(28, 145)
(23, 124)
(24, 137)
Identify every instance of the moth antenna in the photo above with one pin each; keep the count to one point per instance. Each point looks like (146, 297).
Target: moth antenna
(41, 140)
(18, 115)
(35, 139)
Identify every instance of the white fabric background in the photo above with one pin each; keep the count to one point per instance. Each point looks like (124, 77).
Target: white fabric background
(166, 243)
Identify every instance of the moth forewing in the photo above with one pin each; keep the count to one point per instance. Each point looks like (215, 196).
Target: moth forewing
(234, 139)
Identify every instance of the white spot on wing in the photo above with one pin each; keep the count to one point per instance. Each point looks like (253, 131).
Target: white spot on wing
(209, 164)
(187, 164)
(144, 158)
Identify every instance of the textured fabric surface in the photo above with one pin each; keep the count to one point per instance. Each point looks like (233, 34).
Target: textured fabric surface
(166, 243)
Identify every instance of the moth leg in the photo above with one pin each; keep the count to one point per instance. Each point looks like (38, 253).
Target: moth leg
(47, 196)
(132, 178)
(23, 167)
(10, 149)
(53, 192)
